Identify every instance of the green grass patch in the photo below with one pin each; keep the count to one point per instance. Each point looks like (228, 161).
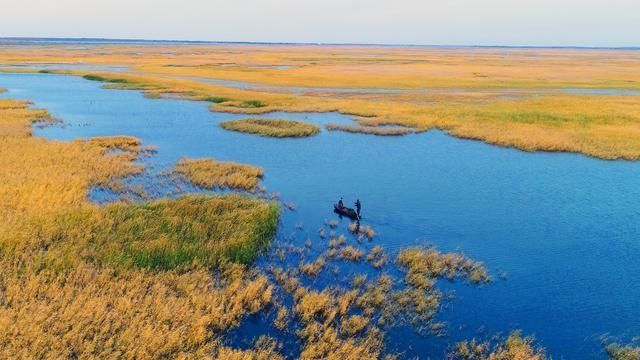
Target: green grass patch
(252, 104)
(272, 127)
(104, 79)
(216, 99)
(188, 232)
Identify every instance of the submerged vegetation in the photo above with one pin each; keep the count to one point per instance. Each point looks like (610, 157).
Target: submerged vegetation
(211, 174)
(272, 127)
(350, 322)
(624, 352)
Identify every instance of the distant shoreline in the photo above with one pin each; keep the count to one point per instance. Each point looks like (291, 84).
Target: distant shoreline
(37, 40)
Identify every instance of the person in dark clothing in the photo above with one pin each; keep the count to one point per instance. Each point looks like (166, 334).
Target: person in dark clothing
(340, 203)
(358, 206)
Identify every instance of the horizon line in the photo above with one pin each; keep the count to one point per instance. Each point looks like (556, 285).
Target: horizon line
(150, 41)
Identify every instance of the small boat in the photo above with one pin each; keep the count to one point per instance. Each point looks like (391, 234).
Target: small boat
(345, 211)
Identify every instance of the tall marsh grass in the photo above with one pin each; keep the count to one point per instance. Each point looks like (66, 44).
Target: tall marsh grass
(272, 127)
(189, 232)
(126, 280)
(211, 174)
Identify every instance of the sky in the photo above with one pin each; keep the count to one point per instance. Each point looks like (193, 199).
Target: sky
(608, 23)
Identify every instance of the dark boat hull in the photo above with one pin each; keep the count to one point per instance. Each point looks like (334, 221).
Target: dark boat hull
(347, 212)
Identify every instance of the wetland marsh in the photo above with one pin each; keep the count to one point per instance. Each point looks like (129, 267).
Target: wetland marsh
(555, 231)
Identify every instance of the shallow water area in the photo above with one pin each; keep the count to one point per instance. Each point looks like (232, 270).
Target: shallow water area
(501, 93)
(601, 91)
(64, 66)
(562, 227)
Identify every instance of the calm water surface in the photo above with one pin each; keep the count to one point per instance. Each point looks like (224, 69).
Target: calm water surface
(564, 228)
(501, 92)
(65, 66)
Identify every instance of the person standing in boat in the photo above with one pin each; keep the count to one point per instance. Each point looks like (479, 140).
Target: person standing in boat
(358, 206)
(340, 203)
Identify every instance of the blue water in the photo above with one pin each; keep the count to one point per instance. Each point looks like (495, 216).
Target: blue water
(564, 228)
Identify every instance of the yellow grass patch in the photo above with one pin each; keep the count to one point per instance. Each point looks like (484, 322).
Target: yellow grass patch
(515, 347)
(89, 312)
(272, 127)
(210, 174)
(424, 265)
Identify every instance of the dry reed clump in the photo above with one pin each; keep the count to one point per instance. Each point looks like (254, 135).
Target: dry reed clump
(372, 130)
(515, 347)
(358, 281)
(354, 325)
(60, 293)
(282, 319)
(313, 268)
(349, 253)
(211, 174)
(424, 265)
(361, 231)
(623, 352)
(279, 128)
(377, 257)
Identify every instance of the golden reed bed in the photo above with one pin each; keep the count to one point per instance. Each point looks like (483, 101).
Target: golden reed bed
(79, 280)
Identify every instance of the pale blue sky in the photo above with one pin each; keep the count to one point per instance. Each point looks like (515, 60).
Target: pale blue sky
(436, 22)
